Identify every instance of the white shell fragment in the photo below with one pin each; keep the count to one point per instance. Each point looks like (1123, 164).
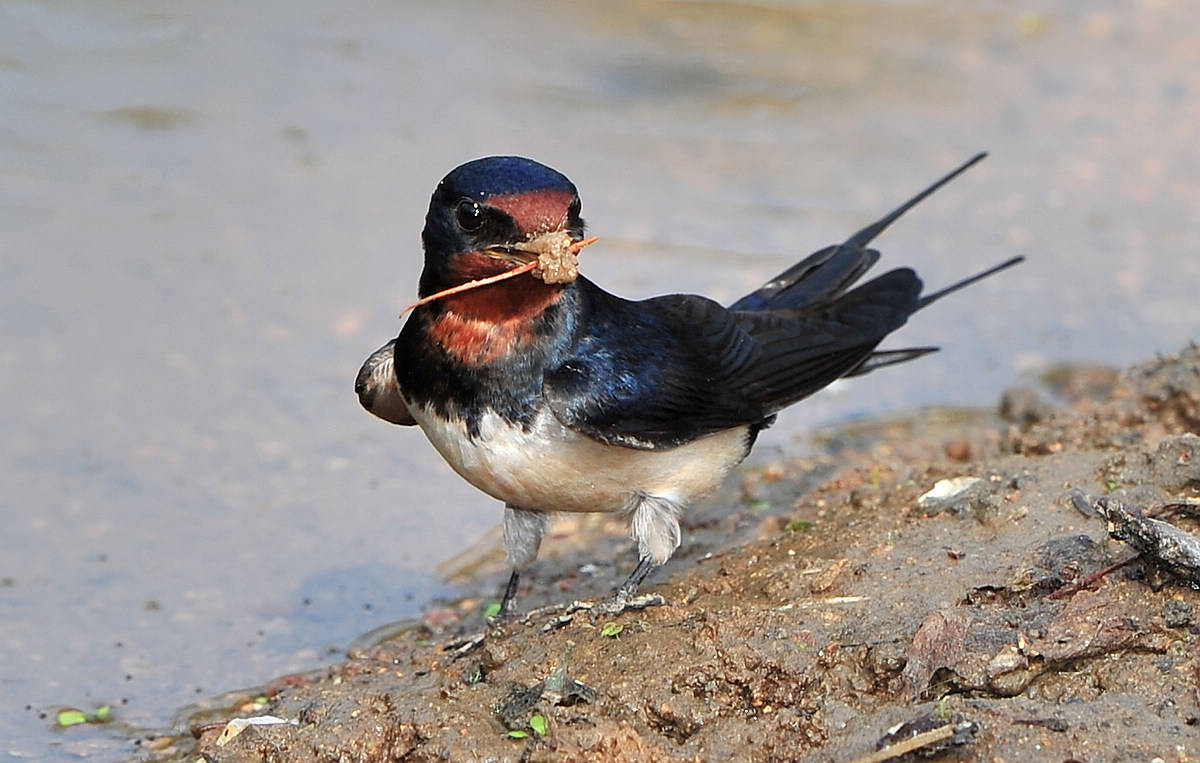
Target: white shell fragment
(238, 725)
(951, 492)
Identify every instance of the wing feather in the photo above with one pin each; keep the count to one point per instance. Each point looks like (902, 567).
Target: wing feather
(661, 372)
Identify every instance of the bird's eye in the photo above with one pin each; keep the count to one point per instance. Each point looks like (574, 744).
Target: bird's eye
(469, 215)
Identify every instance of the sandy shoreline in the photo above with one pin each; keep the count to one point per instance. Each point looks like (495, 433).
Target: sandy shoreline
(852, 606)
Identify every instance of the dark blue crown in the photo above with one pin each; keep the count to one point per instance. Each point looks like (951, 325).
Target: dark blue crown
(499, 175)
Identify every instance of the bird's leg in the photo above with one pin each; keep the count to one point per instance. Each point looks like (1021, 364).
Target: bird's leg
(655, 526)
(523, 531)
(626, 596)
(463, 645)
(510, 594)
(643, 569)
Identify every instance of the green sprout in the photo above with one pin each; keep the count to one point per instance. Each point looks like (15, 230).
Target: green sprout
(538, 724)
(943, 708)
(72, 717)
(611, 630)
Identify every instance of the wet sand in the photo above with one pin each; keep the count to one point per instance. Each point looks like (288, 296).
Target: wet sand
(1004, 611)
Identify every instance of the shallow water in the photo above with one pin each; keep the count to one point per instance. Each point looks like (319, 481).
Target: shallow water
(210, 216)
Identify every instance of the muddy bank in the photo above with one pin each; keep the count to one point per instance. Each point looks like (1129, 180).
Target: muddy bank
(994, 610)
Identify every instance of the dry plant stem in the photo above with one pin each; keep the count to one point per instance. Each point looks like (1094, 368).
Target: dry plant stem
(1090, 580)
(533, 265)
(908, 745)
(528, 266)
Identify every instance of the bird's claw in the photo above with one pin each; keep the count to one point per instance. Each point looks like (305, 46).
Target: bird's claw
(464, 645)
(616, 604)
(610, 607)
(557, 622)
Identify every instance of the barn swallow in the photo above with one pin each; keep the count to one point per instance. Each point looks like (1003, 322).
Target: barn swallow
(561, 397)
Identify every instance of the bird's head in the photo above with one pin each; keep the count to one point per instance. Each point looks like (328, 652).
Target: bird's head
(494, 214)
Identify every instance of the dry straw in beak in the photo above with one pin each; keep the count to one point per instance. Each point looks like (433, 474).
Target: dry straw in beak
(573, 248)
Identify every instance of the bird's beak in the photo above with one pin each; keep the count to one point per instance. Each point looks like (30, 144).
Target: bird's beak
(514, 254)
(531, 249)
(551, 257)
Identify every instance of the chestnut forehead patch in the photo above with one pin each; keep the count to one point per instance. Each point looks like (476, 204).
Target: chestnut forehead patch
(535, 211)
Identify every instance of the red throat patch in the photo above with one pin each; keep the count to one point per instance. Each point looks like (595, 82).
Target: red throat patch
(536, 211)
(483, 325)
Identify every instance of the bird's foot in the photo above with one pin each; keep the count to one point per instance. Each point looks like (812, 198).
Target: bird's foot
(564, 614)
(619, 602)
(464, 645)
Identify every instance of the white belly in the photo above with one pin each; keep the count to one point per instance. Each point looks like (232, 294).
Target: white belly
(553, 468)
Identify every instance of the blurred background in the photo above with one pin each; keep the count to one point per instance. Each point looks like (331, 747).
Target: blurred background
(210, 215)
